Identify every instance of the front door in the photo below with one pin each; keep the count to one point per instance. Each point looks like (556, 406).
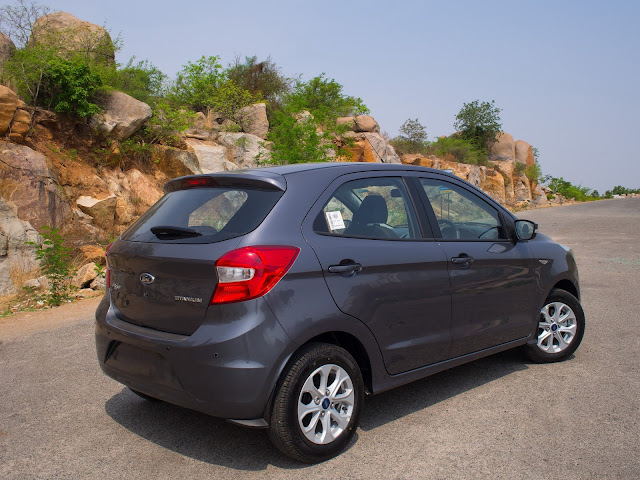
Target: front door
(492, 277)
(381, 270)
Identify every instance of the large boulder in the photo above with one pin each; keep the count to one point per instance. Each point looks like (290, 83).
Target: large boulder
(366, 123)
(507, 169)
(522, 189)
(7, 48)
(247, 150)
(72, 36)
(350, 122)
(17, 259)
(84, 276)
(503, 148)
(254, 120)
(539, 197)
(102, 210)
(382, 151)
(9, 102)
(524, 153)
(143, 189)
(122, 115)
(176, 163)
(210, 157)
(32, 186)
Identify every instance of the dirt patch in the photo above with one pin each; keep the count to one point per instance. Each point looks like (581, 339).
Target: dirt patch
(24, 324)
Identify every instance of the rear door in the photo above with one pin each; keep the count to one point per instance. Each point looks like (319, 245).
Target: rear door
(380, 268)
(492, 277)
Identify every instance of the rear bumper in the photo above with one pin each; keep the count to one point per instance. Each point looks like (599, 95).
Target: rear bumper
(227, 368)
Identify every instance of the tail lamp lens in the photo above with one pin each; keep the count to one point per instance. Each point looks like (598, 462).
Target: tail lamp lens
(251, 272)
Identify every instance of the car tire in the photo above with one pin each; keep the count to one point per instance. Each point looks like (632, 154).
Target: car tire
(144, 395)
(307, 424)
(560, 328)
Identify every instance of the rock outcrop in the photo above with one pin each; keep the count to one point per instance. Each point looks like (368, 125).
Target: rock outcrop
(102, 210)
(524, 153)
(174, 162)
(122, 115)
(7, 48)
(30, 184)
(210, 156)
(245, 149)
(9, 102)
(17, 260)
(72, 36)
(504, 148)
(254, 120)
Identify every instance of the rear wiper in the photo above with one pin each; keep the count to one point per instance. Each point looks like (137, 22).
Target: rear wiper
(164, 231)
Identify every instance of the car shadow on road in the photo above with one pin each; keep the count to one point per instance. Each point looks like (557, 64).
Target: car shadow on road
(217, 442)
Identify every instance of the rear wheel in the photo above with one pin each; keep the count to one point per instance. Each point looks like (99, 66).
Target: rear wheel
(317, 405)
(560, 328)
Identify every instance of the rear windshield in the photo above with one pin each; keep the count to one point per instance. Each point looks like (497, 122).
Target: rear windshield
(203, 215)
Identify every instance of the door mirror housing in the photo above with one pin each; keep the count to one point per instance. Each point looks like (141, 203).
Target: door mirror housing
(526, 229)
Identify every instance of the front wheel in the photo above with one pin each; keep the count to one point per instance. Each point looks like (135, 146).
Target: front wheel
(560, 328)
(317, 405)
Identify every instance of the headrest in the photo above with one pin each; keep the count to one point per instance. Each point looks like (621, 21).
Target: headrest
(372, 210)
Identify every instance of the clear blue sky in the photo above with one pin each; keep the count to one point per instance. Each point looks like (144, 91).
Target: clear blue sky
(565, 73)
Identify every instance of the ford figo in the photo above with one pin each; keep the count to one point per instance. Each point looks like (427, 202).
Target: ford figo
(279, 297)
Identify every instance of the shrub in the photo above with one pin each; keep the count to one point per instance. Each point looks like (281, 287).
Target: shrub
(141, 80)
(44, 79)
(462, 150)
(413, 138)
(261, 79)
(55, 264)
(299, 138)
(534, 172)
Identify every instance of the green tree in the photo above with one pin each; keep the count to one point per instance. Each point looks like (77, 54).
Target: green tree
(324, 99)
(479, 122)
(310, 137)
(197, 83)
(142, 80)
(413, 138)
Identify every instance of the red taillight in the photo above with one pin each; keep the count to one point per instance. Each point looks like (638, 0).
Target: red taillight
(251, 272)
(108, 274)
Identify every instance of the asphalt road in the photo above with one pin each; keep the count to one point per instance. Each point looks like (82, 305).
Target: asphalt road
(500, 417)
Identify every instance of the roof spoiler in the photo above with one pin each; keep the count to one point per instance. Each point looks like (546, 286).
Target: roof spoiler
(262, 181)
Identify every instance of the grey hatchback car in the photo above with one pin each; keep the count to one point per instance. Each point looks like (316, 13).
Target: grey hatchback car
(279, 297)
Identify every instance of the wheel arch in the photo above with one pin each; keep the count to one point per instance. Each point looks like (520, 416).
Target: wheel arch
(567, 285)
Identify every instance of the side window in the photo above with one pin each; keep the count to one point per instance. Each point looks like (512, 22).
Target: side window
(376, 207)
(461, 214)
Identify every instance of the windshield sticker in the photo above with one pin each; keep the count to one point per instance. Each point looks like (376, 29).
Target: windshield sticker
(335, 221)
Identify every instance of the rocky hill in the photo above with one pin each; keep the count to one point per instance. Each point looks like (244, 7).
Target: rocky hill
(73, 174)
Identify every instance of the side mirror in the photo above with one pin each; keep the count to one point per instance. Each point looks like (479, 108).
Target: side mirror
(526, 229)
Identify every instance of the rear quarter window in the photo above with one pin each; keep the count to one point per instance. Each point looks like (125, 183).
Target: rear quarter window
(203, 215)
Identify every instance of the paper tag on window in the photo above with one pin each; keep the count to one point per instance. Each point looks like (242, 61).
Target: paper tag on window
(335, 221)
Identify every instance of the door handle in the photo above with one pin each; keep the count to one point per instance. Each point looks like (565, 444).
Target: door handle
(463, 259)
(348, 269)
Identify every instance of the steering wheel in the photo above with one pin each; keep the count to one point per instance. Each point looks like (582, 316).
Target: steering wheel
(448, 229)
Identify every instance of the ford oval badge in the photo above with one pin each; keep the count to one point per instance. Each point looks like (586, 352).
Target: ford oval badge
(147, 278)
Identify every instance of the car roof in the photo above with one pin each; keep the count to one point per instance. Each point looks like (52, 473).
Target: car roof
(346, 167)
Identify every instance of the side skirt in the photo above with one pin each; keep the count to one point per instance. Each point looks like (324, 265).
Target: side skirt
(392, 381)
